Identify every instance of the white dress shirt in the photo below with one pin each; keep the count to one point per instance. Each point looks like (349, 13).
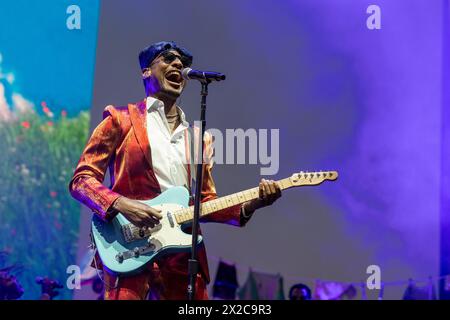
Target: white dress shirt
(168, 149)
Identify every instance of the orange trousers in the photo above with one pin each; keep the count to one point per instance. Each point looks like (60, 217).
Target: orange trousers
(153, 284)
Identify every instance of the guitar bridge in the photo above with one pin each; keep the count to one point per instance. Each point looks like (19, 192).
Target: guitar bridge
(131, 233)
(127, 232)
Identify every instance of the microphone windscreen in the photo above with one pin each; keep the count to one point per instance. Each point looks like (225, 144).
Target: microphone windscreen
(185, 73)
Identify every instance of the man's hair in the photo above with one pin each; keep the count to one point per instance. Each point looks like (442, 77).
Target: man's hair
(300, 286)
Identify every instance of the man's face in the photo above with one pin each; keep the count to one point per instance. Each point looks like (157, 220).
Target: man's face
(165, 78)
(300, 294)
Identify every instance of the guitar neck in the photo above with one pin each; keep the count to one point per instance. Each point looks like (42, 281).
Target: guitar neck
(312, 178)
(187, 214)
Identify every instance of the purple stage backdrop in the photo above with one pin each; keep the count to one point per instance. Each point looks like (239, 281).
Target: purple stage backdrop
(367, 103)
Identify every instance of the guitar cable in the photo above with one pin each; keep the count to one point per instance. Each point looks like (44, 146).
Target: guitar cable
(116, 285)
(93, 246)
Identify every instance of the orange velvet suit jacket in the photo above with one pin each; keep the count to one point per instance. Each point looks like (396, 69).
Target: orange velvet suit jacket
(120, 143)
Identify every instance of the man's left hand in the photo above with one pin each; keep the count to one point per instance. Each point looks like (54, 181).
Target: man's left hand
(269, 192)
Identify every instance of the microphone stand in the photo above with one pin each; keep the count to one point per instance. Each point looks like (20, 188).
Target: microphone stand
(193, 262)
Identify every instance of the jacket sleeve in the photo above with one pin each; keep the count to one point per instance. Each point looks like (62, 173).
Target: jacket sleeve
(86, 184)
(231, 215)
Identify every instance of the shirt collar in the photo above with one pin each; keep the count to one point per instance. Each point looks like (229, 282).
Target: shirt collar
(157, 105)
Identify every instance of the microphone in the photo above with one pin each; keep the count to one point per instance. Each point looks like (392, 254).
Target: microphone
(190, 74)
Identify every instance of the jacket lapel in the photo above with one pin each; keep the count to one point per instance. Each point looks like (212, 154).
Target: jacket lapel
(139, 123)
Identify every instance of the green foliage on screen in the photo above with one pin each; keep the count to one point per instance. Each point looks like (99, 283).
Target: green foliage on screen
(39, 220)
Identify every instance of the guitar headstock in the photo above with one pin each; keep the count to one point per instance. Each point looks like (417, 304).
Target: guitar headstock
(312, 178)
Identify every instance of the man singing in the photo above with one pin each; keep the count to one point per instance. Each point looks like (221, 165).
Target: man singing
(146, 148)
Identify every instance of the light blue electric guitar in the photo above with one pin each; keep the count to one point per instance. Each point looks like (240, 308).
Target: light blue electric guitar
(125, 249)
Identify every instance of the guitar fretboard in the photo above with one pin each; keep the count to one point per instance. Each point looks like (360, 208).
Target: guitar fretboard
(206, 208)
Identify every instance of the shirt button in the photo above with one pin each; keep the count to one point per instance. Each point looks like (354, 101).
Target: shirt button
(173, 170)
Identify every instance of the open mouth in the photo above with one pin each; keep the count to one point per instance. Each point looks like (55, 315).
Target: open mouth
(174, 77)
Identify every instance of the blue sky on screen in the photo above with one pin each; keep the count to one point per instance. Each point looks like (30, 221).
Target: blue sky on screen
(41, 59)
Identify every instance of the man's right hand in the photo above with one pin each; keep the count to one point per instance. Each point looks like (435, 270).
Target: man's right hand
(138, 213)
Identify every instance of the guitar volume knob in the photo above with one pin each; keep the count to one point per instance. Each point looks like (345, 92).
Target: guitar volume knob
(119, 257)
